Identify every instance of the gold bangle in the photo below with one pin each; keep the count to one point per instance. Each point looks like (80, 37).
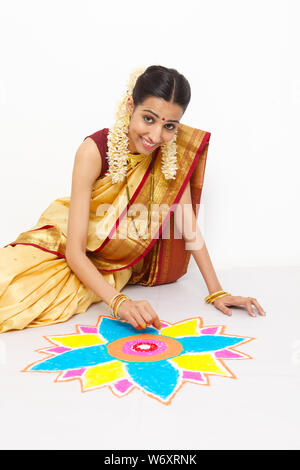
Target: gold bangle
(118, 303)
(219, 297)
(212, 299)
(116, 315)
(111, 301)
(213, 294)
(122, 296)
(118, 300)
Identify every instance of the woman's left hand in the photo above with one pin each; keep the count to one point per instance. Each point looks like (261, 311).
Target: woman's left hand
(236, 300)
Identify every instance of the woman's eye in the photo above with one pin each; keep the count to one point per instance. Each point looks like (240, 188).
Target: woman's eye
(168, 128)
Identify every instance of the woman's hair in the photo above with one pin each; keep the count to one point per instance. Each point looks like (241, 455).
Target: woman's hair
(163, 83)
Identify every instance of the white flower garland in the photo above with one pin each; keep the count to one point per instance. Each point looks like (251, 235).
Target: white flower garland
(117, 141)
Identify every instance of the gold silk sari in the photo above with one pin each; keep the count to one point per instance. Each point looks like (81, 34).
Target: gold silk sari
(37, 287)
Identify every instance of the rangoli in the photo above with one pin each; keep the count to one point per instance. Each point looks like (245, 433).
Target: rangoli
(158, 362)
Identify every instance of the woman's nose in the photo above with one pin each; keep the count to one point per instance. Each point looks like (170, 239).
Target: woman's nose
(155, 136)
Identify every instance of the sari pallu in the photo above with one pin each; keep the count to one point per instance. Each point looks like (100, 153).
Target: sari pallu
(154, 260)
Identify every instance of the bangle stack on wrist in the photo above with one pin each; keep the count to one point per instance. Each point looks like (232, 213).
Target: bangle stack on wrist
(215, 295)
(116, 302)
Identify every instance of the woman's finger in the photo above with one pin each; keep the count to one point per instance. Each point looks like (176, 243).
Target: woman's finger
(135, 312)
(135, 318)
(131, 319)
(146, 315)
(139, 316)
(249, 307)
(247, 301)
(154, 317)
(222, 307)
(259, 307)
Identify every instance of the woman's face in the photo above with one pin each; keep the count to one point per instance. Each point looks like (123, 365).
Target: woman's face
(155, 122)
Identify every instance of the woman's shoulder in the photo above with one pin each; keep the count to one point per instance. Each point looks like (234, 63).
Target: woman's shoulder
(99, 137)
(98, 141)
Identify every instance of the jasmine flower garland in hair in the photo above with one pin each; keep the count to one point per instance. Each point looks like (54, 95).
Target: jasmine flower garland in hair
(117, 139)
(169, 159)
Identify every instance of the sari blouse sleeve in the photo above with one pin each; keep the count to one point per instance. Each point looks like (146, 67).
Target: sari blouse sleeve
(100, 139)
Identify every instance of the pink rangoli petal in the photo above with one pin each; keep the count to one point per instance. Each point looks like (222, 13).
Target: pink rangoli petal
(226, 354)
(59, 349)
(209, 331)
(74, 373)
(88, 329)
(123, 385)
(188, 374)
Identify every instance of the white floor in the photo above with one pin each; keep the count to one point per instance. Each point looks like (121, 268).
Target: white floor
(259, 410)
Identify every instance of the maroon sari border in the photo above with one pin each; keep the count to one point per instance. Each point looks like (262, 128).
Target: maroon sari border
(160, 256)
(59, 255)
(41, 228)
(159, 232)
(34, 230)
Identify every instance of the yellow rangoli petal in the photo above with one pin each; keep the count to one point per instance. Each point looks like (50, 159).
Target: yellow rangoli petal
(187, 328)
(103, 374)
(77, 341)
(200, 363)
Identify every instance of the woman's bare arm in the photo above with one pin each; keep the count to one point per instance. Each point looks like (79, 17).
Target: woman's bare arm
(194, 241)
(87, 167)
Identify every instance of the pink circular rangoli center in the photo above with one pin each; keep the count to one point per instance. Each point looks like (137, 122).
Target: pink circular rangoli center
(146, 347)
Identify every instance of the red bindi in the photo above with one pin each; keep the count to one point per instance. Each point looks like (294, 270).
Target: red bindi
(163, 119)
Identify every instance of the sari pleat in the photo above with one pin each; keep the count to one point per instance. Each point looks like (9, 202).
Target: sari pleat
(37, 288)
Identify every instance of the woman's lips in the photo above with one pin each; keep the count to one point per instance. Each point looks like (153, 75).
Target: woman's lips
(146, 145)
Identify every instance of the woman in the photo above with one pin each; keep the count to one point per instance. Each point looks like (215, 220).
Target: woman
(86, 248)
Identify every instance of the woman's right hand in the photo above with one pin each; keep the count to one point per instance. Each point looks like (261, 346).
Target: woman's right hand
(139, 313)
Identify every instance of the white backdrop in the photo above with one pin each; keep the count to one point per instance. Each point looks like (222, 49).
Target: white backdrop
(64, 66)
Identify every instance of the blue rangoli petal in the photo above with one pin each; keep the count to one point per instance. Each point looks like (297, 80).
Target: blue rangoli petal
(194, 344)
(159, 378)
(75, 359)
(111, 330)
